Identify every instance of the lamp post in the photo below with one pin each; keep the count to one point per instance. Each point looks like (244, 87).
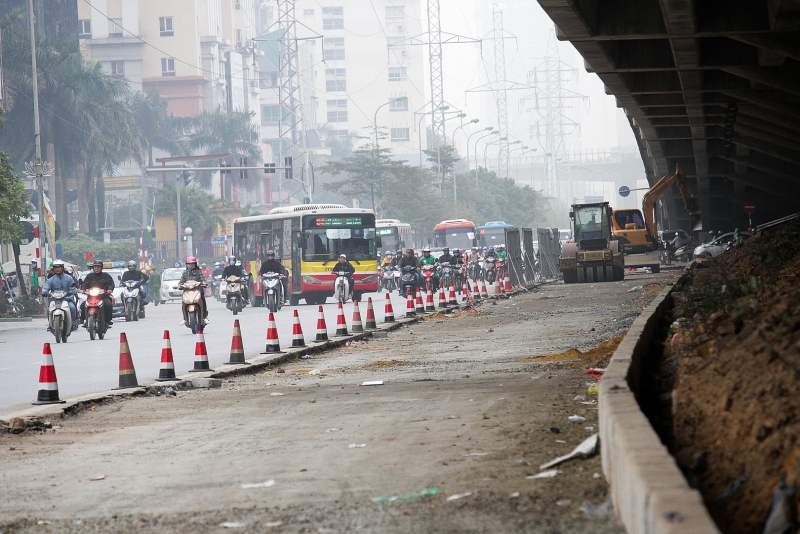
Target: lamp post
(419, 131)
(518, 142)
(38, 144)
(455, 194)
(375, 123)
(487, 129)
(486, 148)
(492, 132)
(508, 155)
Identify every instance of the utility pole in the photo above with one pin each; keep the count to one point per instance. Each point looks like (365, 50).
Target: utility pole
(38, 143)
(502, 92)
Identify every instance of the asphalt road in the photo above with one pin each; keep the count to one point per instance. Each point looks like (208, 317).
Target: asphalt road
(83, 366)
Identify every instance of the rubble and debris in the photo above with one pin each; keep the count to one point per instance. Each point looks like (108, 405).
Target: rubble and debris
(544, 474)
(459, 496)
(424, 493)
(266, 484)
(586, 449)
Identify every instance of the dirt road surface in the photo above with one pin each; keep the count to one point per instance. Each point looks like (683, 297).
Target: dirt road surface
(465, 414)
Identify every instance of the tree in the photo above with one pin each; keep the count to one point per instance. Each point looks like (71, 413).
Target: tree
(195, 211)
(13, 207)
(159, 129)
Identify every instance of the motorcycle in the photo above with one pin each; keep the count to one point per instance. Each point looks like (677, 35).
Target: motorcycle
(131, 302)
(665, 254)
(501, 269)
(490, 269)
(192, 304)
(428, 272)
(59, 316)
(408, 280)
(233, 294)
(445, 274)
(273, 291)
(474, 270)
(685, 253)
(341, 287)
(95, 314)
(217, 287)
(388, 279)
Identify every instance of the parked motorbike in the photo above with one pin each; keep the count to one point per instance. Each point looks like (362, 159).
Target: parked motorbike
(233, 294)
(95, 313)
(272, 290)
(59, 316)
(192, 304)
(387, 279)
(428, 272)
(408, 280)
(490, 269)
(445, 274)
(131, 300)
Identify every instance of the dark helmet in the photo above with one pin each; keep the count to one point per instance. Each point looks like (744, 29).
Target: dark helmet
(270, 254)
(446, 250)
(97, 263)
(410, 251)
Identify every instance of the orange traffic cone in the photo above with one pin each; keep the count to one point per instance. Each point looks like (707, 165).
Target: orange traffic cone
(297, 332)
(358, 325)
(484, 292)
(410, 310)
(464, 290)
(442, 300)
(476, 289)
(429, 305)
(507, 283)
(167, 371)
(371, 324)
(322, 328)
(341, 324)
(388, 313)
(237, 348)
(48, 384)
(418, 302)
(498, 284)
(200, 353)
(127, 374)
(451, 297)
(273, 345)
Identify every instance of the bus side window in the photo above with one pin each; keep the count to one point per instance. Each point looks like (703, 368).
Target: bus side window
(378, 242)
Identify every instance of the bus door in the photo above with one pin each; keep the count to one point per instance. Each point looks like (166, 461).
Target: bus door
(297, 249)
(261, 254)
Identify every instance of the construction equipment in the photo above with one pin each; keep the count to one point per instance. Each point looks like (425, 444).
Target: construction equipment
(638, 234)
(594, 255)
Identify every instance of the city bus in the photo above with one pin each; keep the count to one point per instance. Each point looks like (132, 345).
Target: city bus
(455, 233)
(394, 234)
(309, 238)
(493, 233)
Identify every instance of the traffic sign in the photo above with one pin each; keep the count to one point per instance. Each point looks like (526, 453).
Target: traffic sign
(749, 207)
(624, 191)
(27, 233)
(218, 240)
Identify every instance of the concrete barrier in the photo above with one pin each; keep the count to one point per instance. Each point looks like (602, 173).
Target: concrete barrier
(649, 492)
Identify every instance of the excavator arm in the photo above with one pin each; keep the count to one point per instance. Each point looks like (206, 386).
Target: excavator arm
(651, 197)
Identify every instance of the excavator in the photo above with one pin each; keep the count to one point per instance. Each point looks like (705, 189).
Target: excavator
(638, 235)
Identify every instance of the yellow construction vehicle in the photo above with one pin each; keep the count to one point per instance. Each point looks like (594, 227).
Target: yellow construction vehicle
(638, 234)
(594, 255)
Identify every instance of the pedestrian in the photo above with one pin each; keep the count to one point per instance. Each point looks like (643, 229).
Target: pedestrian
(155, 285)
(34, 279)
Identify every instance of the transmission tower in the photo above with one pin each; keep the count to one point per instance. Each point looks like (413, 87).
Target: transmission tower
(437, 83)
(550, 79)
(502, 91)
(290, 124)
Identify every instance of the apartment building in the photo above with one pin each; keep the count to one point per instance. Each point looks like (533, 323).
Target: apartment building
(356, 65)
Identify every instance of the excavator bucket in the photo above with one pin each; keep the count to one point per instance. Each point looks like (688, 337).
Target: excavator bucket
(696, 221)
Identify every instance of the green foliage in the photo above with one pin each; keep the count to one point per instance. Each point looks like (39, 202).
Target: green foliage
(76, 247)
(195, 208)
(13, 202)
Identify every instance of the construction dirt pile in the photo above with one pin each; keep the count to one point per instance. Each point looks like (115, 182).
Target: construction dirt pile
(735, 349)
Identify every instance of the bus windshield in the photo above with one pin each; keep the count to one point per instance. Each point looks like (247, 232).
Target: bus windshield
(325, 244)
(463, 238)
(389, 238)
(490, 237)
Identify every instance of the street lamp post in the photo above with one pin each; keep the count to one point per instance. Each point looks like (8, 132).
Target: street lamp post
(455, 194)
(492, 132)
(37, 142)
(487, 129)
(512, 150)
(508, 154)
(375, 123)
(486, 148)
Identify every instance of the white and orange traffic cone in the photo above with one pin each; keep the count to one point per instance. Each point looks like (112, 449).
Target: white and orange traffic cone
(167, 371)
(418, 302)
(273, 345)
(297, 332)
(388, 311)
(127, 374)
(341, 324)
(429, 305)
(48, 384)
(507, 283)
(358, 324)
(476, 290)
(411, 311)
(498, 284)
(237, 348)
(442, 299)
(484, 293)
(464, 290)
(322, 328)
(370, 324)
(451, 297)
(200, 353)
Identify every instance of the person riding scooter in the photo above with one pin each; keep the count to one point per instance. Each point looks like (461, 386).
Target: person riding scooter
(410, 260)
(193, 272)
(274, 265)
(233, 270)
(427, 259)
(446, 257)
(344, 267)
(97, 278)
(61, 281)
(134, 274)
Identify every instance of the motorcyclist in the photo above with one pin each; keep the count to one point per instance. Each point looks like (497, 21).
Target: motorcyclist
(397, 257)
(678, 241)
(97, 278)
(233, 270)
(217, 269)
(274, 265)
(427, 259)
(446, 257)
(410, 260)
(61, 281)
(491, 253)
(344, 267)
(193, 272)
(205, 270)
(737, 237)
(501, 252)
(387, 259)
(134, 274)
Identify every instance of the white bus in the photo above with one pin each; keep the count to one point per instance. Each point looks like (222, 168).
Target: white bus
(394, 235)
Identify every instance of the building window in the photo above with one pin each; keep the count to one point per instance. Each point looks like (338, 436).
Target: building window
(238, 37)
(270, 115)
(397, 74)
(333, 48)
(340, 134)
(118, 68)
(237, 4)
(84, 29)
(332, 18)
(399, 134)
(335, 80)
(308, 12)
(395, 14)
(115, 27)
(167, 66)
(337, 110)
(267, 79)
(398, 105)
(165, 26)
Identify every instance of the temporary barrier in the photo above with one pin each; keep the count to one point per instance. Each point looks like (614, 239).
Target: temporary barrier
(273, 344)
(371, 324)
(200, 353)
(48, 384)
(127, 374)
(322, 327)
(357, 325)
(167, 371)
(341, 324)
(388, 314)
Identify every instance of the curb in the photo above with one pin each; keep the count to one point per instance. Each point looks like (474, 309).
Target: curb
(649, 492)
(16, 319)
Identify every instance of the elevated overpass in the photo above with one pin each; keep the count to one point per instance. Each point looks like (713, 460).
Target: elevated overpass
(712, 85)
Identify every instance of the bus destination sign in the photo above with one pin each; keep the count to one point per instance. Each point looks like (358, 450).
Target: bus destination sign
(384, 231)
(337, 221)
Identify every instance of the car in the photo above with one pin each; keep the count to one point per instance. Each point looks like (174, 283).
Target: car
(169, 285)
(718, 245)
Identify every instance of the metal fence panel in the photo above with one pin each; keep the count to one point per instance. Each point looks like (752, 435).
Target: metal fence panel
(549, 251)
(514, 256)
(528, 256)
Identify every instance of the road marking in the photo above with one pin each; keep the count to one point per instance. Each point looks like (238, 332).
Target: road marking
(6, 368)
